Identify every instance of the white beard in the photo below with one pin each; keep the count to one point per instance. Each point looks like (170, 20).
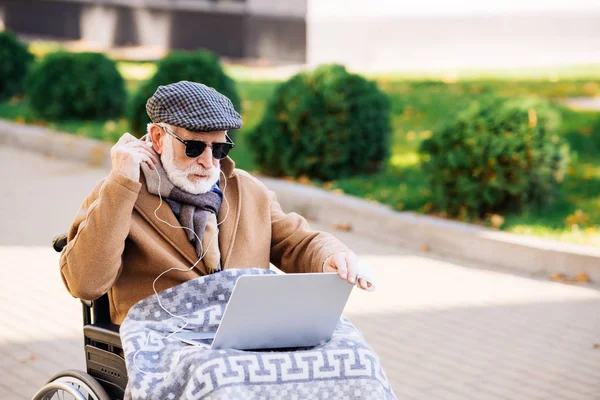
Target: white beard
(180, 178)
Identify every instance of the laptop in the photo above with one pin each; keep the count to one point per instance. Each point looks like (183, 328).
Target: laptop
(282, 311)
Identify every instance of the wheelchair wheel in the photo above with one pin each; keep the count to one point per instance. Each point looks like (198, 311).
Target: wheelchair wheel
(71, 384)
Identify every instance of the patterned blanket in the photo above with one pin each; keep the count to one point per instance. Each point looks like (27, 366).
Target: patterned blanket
(162, 367)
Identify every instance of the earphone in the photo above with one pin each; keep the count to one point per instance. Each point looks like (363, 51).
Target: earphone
(202, 254)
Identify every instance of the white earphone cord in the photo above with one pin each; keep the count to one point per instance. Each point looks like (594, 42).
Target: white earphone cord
(202, 254)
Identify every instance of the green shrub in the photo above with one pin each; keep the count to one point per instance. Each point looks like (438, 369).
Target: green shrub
(327, 124)
(15, 61)
(76, 86)
(200, 66)
(497, 154)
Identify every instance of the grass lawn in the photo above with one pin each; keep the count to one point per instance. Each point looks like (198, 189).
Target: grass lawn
(418, 103)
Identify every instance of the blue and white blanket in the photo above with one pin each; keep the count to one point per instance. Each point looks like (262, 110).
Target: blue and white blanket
(160, 367)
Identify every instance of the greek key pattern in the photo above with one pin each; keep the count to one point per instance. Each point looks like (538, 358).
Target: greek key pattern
(160, 367)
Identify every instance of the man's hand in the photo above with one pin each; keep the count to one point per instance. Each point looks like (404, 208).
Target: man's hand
(346, 265)
(129, 153)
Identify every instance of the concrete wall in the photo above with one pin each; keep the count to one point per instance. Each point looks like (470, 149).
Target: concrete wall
(276, 38)
(397, 43)
(440, 34)
(319, 9)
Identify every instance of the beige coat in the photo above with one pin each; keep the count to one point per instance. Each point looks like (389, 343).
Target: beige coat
(116, 245)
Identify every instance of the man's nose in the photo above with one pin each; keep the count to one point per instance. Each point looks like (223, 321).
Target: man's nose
(206, 159)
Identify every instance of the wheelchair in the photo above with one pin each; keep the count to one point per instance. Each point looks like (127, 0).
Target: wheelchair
(106, 375)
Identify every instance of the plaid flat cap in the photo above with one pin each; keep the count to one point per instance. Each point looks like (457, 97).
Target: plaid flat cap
(193, 106)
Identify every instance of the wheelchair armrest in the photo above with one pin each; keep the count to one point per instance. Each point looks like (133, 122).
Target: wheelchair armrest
(103, 333)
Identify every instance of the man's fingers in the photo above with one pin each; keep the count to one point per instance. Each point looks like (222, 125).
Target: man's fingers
(142, 147)
(146, 159)
(362, 283)
(126, 138)
(149, 153)
(339, 261)
(352, 262)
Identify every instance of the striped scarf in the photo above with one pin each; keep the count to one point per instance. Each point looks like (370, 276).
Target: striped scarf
(197, 212)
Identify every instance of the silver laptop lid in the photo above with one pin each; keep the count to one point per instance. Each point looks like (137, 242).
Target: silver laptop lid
(282, 311)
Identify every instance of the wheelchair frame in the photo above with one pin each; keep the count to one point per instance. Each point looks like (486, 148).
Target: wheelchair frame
(103, 350)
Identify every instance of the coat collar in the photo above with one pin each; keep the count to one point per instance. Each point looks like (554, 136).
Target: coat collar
(146, 204)
(228, 218)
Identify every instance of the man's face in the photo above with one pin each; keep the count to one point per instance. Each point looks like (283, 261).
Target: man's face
(193, 175)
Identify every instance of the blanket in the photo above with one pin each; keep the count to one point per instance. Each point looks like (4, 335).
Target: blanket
(162, 367)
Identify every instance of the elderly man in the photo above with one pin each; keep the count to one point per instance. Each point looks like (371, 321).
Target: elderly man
(174, 202)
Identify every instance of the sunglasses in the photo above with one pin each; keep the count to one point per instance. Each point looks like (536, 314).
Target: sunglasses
(194, 148)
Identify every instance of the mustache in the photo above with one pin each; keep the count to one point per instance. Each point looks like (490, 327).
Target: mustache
(196, 169)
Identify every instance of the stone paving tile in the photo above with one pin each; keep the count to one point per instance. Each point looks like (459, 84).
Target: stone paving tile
(443, 329)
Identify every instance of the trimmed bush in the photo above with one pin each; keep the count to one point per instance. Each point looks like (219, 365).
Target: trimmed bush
(327, 124)
(76, 86)
(200, 66)
(15, 61)
(496, 155)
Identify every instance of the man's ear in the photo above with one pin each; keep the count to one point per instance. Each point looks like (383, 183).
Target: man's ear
(156, 134)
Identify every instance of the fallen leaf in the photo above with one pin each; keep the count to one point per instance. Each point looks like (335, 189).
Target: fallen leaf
(497, 221)
(558, 277)
(532, 118)
(582, 277)
(425, 248)
(450, 78)
(110, 125)
(27, 357)
(590, 89)
(338, 192)
(577, 218)
(342, 227)
(304, 180)
(597, 345)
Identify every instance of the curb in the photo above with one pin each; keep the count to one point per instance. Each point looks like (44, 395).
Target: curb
(463, 241)
(442, 237)
(47, 141)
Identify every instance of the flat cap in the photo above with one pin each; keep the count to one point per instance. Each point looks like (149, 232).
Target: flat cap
(193, 106)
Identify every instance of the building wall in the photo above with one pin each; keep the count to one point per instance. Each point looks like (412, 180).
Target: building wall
(236, 29)
(287, 8)
(47, 18)
(438, 34)
(276, 38)
(429, 8)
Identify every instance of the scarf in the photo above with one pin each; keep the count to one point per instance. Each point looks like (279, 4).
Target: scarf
(197, 212)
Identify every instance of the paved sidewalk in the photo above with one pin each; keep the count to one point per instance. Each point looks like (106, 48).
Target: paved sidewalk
(443, 330)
